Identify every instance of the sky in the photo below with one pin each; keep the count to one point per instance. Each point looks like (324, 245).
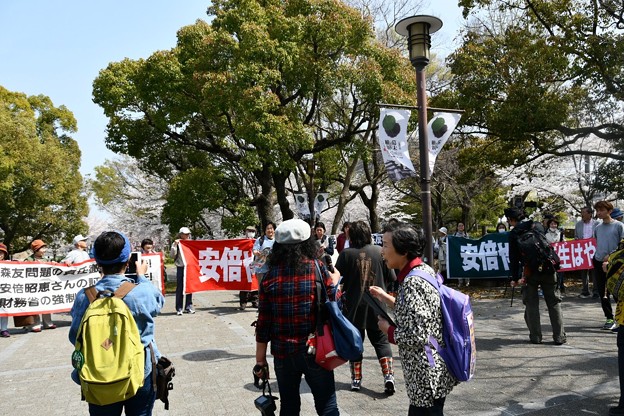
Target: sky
(57, 48)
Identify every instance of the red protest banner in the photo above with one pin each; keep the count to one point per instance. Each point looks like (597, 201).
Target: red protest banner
(218, 265)
(576, 254)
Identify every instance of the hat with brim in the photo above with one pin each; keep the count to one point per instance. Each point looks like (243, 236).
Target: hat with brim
(185, 230)
(617, 213)
(79, 238)
(37, 245)
(292, 232)
(4, 248)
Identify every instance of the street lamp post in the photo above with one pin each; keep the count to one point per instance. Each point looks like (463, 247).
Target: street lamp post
(418, 30)
(310, 167)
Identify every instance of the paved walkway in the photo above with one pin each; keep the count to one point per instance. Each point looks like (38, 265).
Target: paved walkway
(213, 352)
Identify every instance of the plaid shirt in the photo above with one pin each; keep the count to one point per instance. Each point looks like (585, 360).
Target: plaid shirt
(287, 315)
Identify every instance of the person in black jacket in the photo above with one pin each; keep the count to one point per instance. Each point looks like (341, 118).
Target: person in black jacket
(532, 280)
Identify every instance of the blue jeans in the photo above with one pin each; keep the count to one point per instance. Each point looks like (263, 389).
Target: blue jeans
(288, 372)
(180, 290)
(139, 405)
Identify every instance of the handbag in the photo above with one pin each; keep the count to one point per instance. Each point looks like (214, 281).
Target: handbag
(337, 340)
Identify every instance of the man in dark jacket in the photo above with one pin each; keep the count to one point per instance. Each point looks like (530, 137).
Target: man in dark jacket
(531, 280)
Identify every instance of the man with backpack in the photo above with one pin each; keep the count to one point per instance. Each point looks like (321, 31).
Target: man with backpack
(113, 332)
(533, 264)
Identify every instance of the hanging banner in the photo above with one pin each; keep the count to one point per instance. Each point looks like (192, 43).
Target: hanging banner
(218, 265)
(488, 257)
(301, 202)
(393, 143)
(439, 129)
(320, 201)
(30, 287)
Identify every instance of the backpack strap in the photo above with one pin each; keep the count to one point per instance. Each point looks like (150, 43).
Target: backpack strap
(91, 293)
(124, 289)
(432, 341)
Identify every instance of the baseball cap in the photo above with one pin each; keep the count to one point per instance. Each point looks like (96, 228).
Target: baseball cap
(443, 230)
(79, 238)
(185, 230)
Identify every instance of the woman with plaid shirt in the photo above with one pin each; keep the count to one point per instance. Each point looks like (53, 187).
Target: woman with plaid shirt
(287, 317)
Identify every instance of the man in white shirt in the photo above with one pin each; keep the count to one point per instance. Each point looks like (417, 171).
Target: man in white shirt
(585, 229)
(79, 253)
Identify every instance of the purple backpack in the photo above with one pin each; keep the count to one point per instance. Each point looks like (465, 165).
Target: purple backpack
(459, 352)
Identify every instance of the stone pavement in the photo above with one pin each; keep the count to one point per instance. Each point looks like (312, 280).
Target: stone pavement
(214, 351)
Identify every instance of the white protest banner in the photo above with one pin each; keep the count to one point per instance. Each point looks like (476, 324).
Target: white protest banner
(392, 141)
(439, 129)
(28, 288)
(155, 270)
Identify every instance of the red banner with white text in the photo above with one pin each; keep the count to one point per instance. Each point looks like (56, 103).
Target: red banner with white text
(218, 265)
(576, 254)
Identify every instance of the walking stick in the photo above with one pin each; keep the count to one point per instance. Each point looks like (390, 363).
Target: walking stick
(513, 291)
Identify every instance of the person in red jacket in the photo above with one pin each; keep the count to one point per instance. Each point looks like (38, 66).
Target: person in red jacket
(342, 241)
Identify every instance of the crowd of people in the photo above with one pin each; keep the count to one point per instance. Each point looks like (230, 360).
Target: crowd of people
(285, 258)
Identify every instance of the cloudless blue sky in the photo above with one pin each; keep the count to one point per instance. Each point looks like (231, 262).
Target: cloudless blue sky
(57, 48)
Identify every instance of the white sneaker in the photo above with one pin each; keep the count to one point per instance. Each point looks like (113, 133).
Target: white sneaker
(179, 311)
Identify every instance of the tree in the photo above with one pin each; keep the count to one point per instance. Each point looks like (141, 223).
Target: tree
(251, 93)
(539, 77)
(41, 189)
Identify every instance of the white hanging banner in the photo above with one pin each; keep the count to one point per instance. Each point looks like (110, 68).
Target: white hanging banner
(301, 202)
(439, 129)
(392, 141)
(320, 201)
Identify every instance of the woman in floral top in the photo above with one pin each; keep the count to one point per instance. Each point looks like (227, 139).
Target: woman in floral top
(418, 315)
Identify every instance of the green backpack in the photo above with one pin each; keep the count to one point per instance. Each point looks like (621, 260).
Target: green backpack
(109, 355)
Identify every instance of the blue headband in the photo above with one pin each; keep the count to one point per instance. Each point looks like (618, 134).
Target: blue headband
(123, 256)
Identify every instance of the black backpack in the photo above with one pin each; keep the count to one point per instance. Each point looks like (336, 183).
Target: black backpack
(536, 251)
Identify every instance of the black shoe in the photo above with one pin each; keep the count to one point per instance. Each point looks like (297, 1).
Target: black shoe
(535, 341)
(561, 342)
(243, 306)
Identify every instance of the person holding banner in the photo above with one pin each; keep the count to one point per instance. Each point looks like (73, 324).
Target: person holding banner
(261, 250)
(39, 248)
(184, 234)
(79, 253)
(582, 230)
(4, 320)
(287, 316)
(460, 231)
(418, 315)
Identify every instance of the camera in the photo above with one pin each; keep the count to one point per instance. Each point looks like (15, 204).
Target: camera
(131, 270)
(266, 405)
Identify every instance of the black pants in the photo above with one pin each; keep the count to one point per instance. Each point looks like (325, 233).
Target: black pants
(436, 410)
(365, 321)
(601, 285)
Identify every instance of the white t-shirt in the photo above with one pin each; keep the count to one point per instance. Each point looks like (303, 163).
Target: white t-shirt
(75, 256)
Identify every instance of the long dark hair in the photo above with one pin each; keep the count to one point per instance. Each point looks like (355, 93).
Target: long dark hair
(291, 255)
